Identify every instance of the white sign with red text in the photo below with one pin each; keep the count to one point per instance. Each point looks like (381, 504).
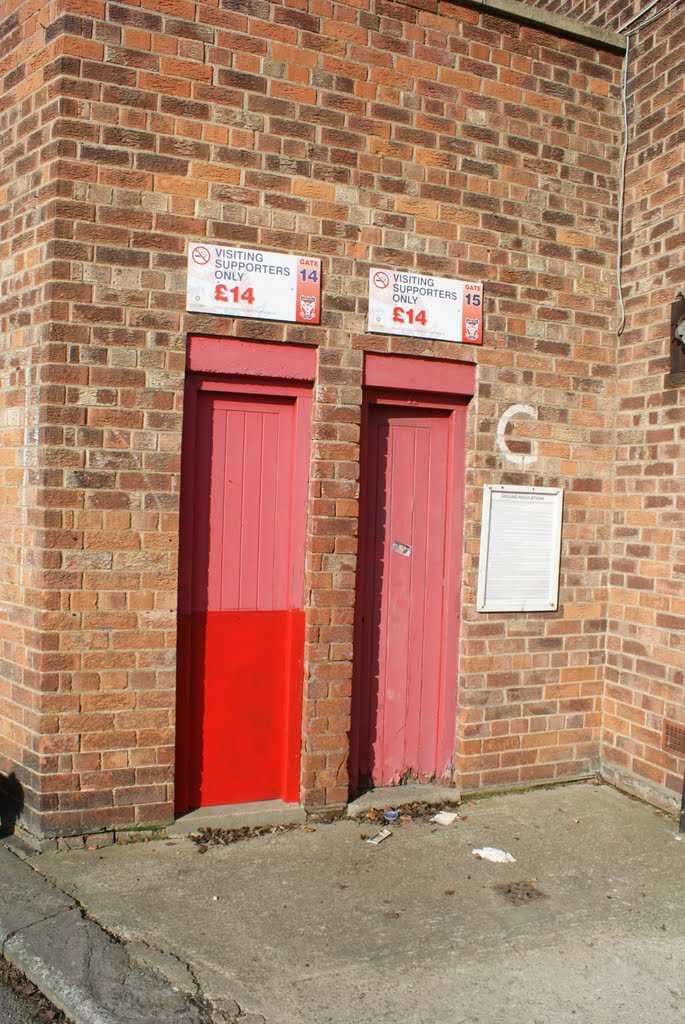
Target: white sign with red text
(252, 283)
(425, 307)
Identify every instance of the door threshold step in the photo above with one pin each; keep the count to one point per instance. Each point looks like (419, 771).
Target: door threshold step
(229, 816)
(402, 796)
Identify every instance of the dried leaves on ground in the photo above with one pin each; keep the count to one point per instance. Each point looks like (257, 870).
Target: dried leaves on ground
(206, 837)
(419, 810)
(41, 1009)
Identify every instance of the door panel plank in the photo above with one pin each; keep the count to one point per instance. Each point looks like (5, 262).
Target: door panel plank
(242, 638)
(399, 664)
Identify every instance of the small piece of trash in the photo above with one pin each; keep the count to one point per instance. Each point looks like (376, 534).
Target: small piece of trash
(496, 856)
(390, 814)
(380, 836)
(215, 898)
(445, 817)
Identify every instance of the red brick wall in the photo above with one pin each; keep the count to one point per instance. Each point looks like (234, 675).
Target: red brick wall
(647, 612)
(444, 140)
(28, 188)
(646, 653)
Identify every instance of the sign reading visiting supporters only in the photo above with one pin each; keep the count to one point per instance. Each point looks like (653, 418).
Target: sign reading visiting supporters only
(252, 283)
(425, 307)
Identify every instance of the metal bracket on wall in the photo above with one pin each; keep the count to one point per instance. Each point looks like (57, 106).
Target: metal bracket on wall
(677, 341)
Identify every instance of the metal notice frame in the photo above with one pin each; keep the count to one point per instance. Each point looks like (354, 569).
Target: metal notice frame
(520, 547)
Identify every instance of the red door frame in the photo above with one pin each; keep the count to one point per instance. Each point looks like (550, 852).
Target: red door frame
(422, 384)
(242, 367)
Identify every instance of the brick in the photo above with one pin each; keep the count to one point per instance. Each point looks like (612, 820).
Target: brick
(268, 125)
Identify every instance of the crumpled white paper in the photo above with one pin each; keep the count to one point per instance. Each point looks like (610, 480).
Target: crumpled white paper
(445, 817)
(496, 856)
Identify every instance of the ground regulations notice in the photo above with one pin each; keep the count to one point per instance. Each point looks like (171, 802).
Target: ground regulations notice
(425, 307)
(520, 546)
(251, 283)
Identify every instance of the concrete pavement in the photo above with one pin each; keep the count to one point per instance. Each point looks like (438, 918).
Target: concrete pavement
(315, 926)
(76, 963)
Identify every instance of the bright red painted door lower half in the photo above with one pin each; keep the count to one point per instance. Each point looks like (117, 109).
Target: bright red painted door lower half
(403, 708)
(241, 632)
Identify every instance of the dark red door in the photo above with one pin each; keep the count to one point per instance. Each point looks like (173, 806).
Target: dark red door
(404, 695)
(241, 624)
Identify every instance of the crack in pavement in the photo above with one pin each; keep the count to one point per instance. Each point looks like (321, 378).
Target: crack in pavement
(27, 927)
(104, 971)
(174, 956)
(242, 1016)
(195, 990)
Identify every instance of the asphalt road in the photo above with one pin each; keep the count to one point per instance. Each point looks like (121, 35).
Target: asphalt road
(21, 1002)
(11, 1010)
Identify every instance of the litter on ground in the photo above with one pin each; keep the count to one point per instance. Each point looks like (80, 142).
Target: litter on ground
(445, 817)
(496, 856)
(379, 837)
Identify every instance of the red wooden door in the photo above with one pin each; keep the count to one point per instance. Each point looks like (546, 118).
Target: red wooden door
(241, 627)
(404, 695)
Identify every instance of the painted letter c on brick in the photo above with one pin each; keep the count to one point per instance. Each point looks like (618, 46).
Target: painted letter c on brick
(522, 461)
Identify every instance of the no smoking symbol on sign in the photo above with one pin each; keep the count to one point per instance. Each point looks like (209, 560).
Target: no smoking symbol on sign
(380, 279)
(201, 255)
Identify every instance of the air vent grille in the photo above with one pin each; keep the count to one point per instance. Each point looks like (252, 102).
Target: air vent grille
(674, 738)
